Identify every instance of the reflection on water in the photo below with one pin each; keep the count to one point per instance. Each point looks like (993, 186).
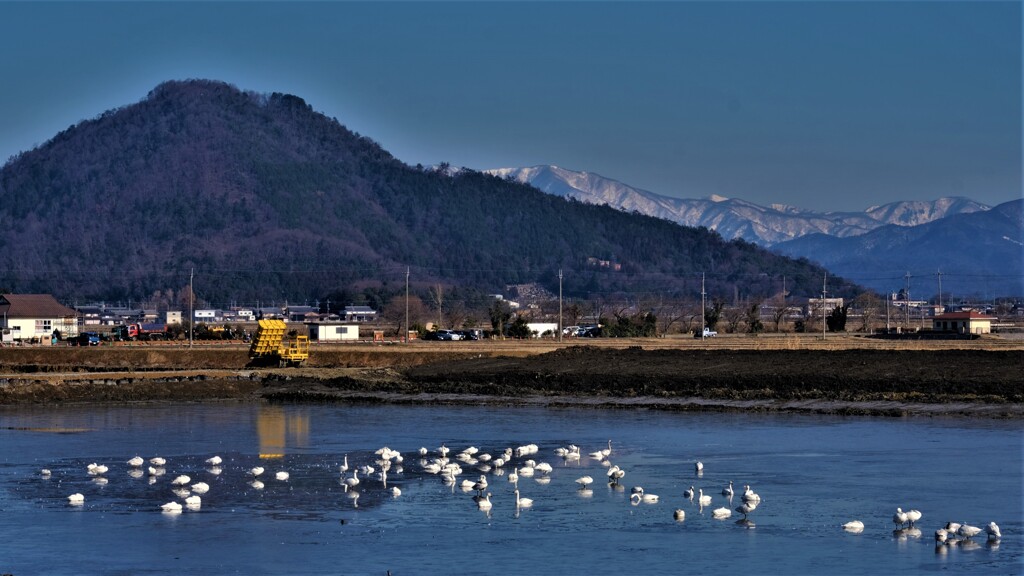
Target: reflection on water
(278, 430)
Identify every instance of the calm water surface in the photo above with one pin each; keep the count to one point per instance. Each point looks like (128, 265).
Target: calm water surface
(812, 472)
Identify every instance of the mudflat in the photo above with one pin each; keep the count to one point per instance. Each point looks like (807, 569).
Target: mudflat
(971, 380)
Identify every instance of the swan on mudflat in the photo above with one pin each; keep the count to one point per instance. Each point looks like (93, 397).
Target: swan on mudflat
(746, 508)
(136, 462)
(157, 461)
(193, 502)
(721, 513)
(282, 475)
(200, 487)
(256, 471)
(993, 531)
(967, 531)
(181, 480)
(171, 507)
(353, 481)
(256, 484)
(584, 481)
(214, 460)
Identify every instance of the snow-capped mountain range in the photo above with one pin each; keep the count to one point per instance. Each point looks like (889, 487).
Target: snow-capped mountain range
(735, 218)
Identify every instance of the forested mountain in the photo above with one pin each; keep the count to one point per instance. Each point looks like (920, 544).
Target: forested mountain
(266, 199)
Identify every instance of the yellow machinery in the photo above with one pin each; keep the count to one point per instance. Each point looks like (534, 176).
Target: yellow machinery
(270, 347)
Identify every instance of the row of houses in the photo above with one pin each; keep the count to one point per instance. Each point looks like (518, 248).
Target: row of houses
(40, 317)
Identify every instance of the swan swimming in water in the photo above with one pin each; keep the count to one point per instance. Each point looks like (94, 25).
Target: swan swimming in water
(727, 491)
(703, 499)
(993, 531)
(698, 467)
(200, 487)
(171, 507)
(157, 461)
(523, 502)
(679, 514)
(689, 494)
(136, 462)
(214, 461)
(76, 499)
(181, 480)
(256, 471)
(282, 475)
(485, 503)
(395, 492)
(193, 502)
(353, 481)
(721, 513)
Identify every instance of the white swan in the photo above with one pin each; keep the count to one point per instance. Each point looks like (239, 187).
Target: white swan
(749, 495)
(543, 468)
(353, 481)
(282, 475)
(968, 531)
(157, 461)
(854, 526)
(485, 503)
(136, 462)
(721, 513)
(899, 518)
(993, 531)
(584, 481)
(523, 502)
(256, 471)
(746, 508)
(395, 492)
(443, 450)
(642, 497)
(76, 499)
(214, 460)
(941, 535)
(679, 514)
(193, 502)
(913, 516)
(703, 499)
(514, 476)
(96, 469)
(344, 465)
(689, 494)
(698, 467)
(256, 484)
(952, 527)
(181, 480)
(423, 450)
(727, 491)
(155, 471)
(200, 487)
(45, 473)
(171, 507)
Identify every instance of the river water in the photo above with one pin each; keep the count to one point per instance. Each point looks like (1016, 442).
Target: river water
(813, 473)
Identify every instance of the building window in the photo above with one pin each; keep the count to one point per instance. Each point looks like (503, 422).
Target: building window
(44, 326)
(341, 330)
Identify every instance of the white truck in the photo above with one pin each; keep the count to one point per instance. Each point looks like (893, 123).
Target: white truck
(708, 333)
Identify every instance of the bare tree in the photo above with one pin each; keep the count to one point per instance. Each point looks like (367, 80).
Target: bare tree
(437, 300)
(869, 307)
(733, 315)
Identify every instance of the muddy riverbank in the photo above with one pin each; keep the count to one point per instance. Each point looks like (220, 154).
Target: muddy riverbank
(977, 383)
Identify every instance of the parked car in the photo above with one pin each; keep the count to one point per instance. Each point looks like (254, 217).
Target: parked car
(470, 334)
(85, 339)
(448, 335)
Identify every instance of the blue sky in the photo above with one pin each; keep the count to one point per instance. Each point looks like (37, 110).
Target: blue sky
(829, 105)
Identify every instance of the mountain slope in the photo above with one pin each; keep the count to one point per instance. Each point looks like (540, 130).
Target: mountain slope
(733, 218)
(266, 198)
(979, 253)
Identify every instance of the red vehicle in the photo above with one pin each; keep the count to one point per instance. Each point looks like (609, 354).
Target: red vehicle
(133, 332)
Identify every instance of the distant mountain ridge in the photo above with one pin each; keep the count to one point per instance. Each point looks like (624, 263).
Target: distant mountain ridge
(734, 218)
(977, 253)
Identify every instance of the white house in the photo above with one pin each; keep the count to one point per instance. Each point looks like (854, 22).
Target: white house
(35, 317)
(205, 316)
(331, 332)
(969, 322)
(359, 314)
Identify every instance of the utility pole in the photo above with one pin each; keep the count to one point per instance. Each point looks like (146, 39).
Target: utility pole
(191, 305)
(941, 309)
(703, 308)
(406, 336)
(824, 281)
(559, 304)
(907, 301)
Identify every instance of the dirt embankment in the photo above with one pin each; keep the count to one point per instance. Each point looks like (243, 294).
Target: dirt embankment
(972, 382)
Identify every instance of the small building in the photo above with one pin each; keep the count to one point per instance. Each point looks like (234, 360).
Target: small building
(301, 314)
(332, 332)
(173, 316)
(353, 313)
(35, 317)
(540, 329)
(207, 316)
(969, 322)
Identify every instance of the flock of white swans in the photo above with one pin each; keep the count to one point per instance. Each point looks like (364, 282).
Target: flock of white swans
(512, 464)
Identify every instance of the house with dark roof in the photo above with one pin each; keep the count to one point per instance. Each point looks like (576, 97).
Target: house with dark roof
(353, 313)
(35, 318)
(967, 322)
